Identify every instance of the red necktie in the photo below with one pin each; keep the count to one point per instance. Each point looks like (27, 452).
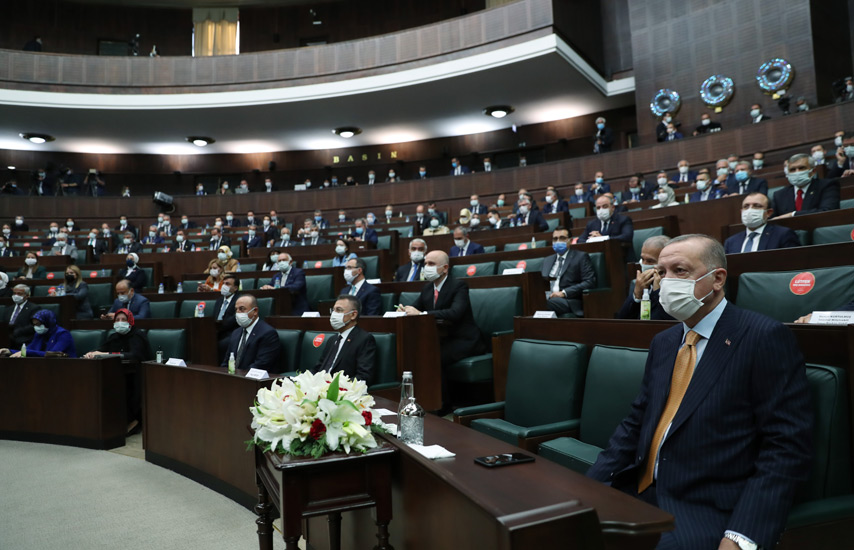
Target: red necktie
(435, 296)
(799, 200)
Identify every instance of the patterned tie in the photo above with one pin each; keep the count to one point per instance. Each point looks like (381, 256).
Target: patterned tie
(683, 369)
(240, 348)
(222, 309)
(748, 246)
(15, 314)
(414, 272)
(799, 200)
(435, 296)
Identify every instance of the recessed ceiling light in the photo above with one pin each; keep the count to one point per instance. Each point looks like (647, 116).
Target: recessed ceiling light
(200, 141)
(10, 167)
(498, 111)
(38, 139)
(347, 131)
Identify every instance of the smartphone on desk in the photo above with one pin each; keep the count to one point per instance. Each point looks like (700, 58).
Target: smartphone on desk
(506, 459)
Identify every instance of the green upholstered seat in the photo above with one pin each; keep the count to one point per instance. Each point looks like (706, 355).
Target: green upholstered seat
(490, 249)
(833, 234)
(531, 408)
(100, 295)
(601, 269)
(372, 267)
(191, 285)
(149, 277)
(552, 223)
(289, 340)
(846, 203)
(774, 190)
(408, 298)
(235, 250)
(614, 376)
(385, 370)
(482, 269)
(87, 340)
(641, 235)
(249, 284)
(509, 247)
(80, 257)
(771, 293)
(265, 307)
(57, 277)
(311, 348)
(188, 308)
(388, 300)
(316, 264)
(384, 242)
(248, 267)
(534, 265)
(318, 288)
(163, 310)
(87, 274)
(173, 342)
(53, 306)
(578, 212)
(804, 236)
(40, 291)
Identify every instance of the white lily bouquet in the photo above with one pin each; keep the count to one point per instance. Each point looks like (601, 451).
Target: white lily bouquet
(313, 414)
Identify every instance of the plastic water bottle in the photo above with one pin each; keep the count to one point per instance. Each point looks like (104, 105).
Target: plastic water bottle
(231, 363)
(160, 289)
(512, 223)
(200, 309)
(645, 306)
(180, 289)
(159, 355)
(60, 290)
(23, 350)
(533, 242)
(410, 414)
(278, 283)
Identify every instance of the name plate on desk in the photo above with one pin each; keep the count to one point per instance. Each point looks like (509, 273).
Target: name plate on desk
(174, 362)
(373, 281)
(392, 314)
(257, 374)
(513, 271)
(598, 239)
(832, 318)
(311, 314)
(545, 315)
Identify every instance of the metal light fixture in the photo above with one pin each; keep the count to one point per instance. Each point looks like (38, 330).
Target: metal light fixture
(201, 141)
(347, 131)
(38, 139)
(498, 111)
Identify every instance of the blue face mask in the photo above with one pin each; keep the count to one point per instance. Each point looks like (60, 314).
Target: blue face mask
(500, 202)
(600, 126)
(741, 176)
(359, 230)
(559, 247)
(317, 218)
(454, 164)
(600, 180)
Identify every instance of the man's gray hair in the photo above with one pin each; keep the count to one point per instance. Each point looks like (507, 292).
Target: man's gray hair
(464, 230)
(600, 118)
(23, 287)
(799, 156)
(658, 242)
(713, 255)
(422, 241)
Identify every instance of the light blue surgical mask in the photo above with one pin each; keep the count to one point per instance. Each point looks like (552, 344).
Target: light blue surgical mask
(601, 126)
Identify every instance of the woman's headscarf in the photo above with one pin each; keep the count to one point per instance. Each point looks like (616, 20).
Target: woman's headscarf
(671, 195)
(47, 318)
(126, 312)
(4, 280)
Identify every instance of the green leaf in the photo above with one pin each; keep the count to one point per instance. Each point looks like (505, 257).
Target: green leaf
(346, 402)
(332, 392)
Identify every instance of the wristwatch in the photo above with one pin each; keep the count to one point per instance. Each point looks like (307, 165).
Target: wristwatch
(742, 542)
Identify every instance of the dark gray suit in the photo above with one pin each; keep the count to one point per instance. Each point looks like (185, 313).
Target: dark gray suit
(576, 275)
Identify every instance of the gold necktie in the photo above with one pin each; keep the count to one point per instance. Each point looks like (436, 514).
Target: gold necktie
(683, 369)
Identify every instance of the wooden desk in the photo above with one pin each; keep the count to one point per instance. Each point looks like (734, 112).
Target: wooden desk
(455, 503)
(79, 402)
(194, 423)
(281, 298)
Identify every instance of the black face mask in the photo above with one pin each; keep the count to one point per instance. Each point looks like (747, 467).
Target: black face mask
(69, 277)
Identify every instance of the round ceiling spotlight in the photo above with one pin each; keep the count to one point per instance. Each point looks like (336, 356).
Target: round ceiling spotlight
(38, 139)
(498, 111)
(201, 141)
(347, 131)
(10, 168)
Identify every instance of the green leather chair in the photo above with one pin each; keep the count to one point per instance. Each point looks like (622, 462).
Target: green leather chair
(552, 223)
(408, 298)
(80, 257)
(769, 292)
(531, 265)
(100, 296)
(58, 277)
(191, 285)
(804, 236)
(774, 190)
(846, 203)
(490, 249)
(385, 370)
(509, 247)
(316, 264)
(493, 310)
(87, 274)
(265, 307)
(641, 235)
(248, 267)
(532, 411)
(614, 376)
(372, 267)
(188, 308)
(235, 250)
(483, 269)
(389, 302)
(384, 242)
(248, 284)
(88, 340)
(41, 291)
(54, 307)
(163, 310)
(173, 342)
(833, 234)
(149, 277)
(318, 288)
(578, 212)
(310, 350)
(289, 340)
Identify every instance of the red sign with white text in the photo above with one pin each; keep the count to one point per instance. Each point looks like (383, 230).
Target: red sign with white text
(802, 283)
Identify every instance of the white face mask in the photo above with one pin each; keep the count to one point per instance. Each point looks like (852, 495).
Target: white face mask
(799, 179)
(474, 222)
(434, 223)
(579, 192)
(122, 327)
(349, 276)
(706, 121)
(286, 236)
(662, 182)
(340, 249)
(459, 242)
(274, 258)
(677, 297)
(251, 234)
(818, 155)
(753, 218)
(336, 319)
(646, 267)
(284, 266)
(837, 141)
(222, 256)
(416, 255)
(123, 298)
(40, 329)
(225, 290)
(523, 209)
(312, 234)
(179, 238)
(214, 272)
(549, 199)
(754, 113)
(126, 241)
(722, 172)
(30, 261)
(732, 164)
(662, 197)
(604, 214)
(431, 272)
(243, 319)
(702, 184)
(757, 164)
(683, 169)
(17, 298)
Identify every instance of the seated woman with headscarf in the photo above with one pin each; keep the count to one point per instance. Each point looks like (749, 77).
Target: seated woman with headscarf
(127, 341)
(50, 337)
(342, 253)
(666, 197)
(5, 291)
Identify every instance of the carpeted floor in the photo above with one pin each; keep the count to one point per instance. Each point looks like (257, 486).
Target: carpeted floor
(53, 496)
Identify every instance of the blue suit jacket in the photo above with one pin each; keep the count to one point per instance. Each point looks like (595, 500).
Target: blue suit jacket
(603, 188)
(754, 185)
(774, 236)
(739, 444)
(473, 248)
(262, 348)
(583, 199)
(369, 296)
(138, 305)
(295, 282)
(620, 228)
(256, 241)
(369, 236)
(535, 218)
(676, 176)
(714, 193)
(559, 206)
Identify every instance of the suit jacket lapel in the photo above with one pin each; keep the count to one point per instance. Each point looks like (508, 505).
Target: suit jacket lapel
(764, 238)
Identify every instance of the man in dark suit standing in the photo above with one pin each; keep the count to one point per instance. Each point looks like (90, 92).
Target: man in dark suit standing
(354, 350)
(745, 182)
(447, 299)
(526, 216)
(411, 271)
(255, 344)
(807, 194)
(603, 139)
(732, 486)
(463, 245)
(759, 235)
(608, 224)
(18, 317)
(569, 273)
(290, 278)
(458, 169)
(224, 310)
(367, 294)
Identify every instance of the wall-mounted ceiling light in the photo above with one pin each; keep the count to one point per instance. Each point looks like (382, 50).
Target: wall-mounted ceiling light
(498, 111)
(347, 131)
(38, 139)
(201, 141)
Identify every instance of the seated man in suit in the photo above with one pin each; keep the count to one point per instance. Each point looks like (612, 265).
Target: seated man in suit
(218, 240)
(96, 245)
(255, 344)
(683, 175)
(62, 247)
(646, 278)
(526, 216)
(5, 250)
(153, 237)
(127, 298)
(230, 220)
(807, 194)
(599, 187)
(458, 169)
(128, 245)
(719, 435)
(744, 182)
(284, 239)
(364, 233)
(707, 125)
(579, 195)
(759, 235)
(569, 272)
(412, 270)
(291, 278)
(635, 192)
(252, 239)
(224, 313)
(554, 203)
(368, 294)
(843, 164)
(187, 223)
(463, 245)
(354, 350)
(311, 237)
(182, 244)
(608, 224)
(706, 190)
(133, 273)
(475, 206)
(125, 226)
(447, 299)
(18, 317)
